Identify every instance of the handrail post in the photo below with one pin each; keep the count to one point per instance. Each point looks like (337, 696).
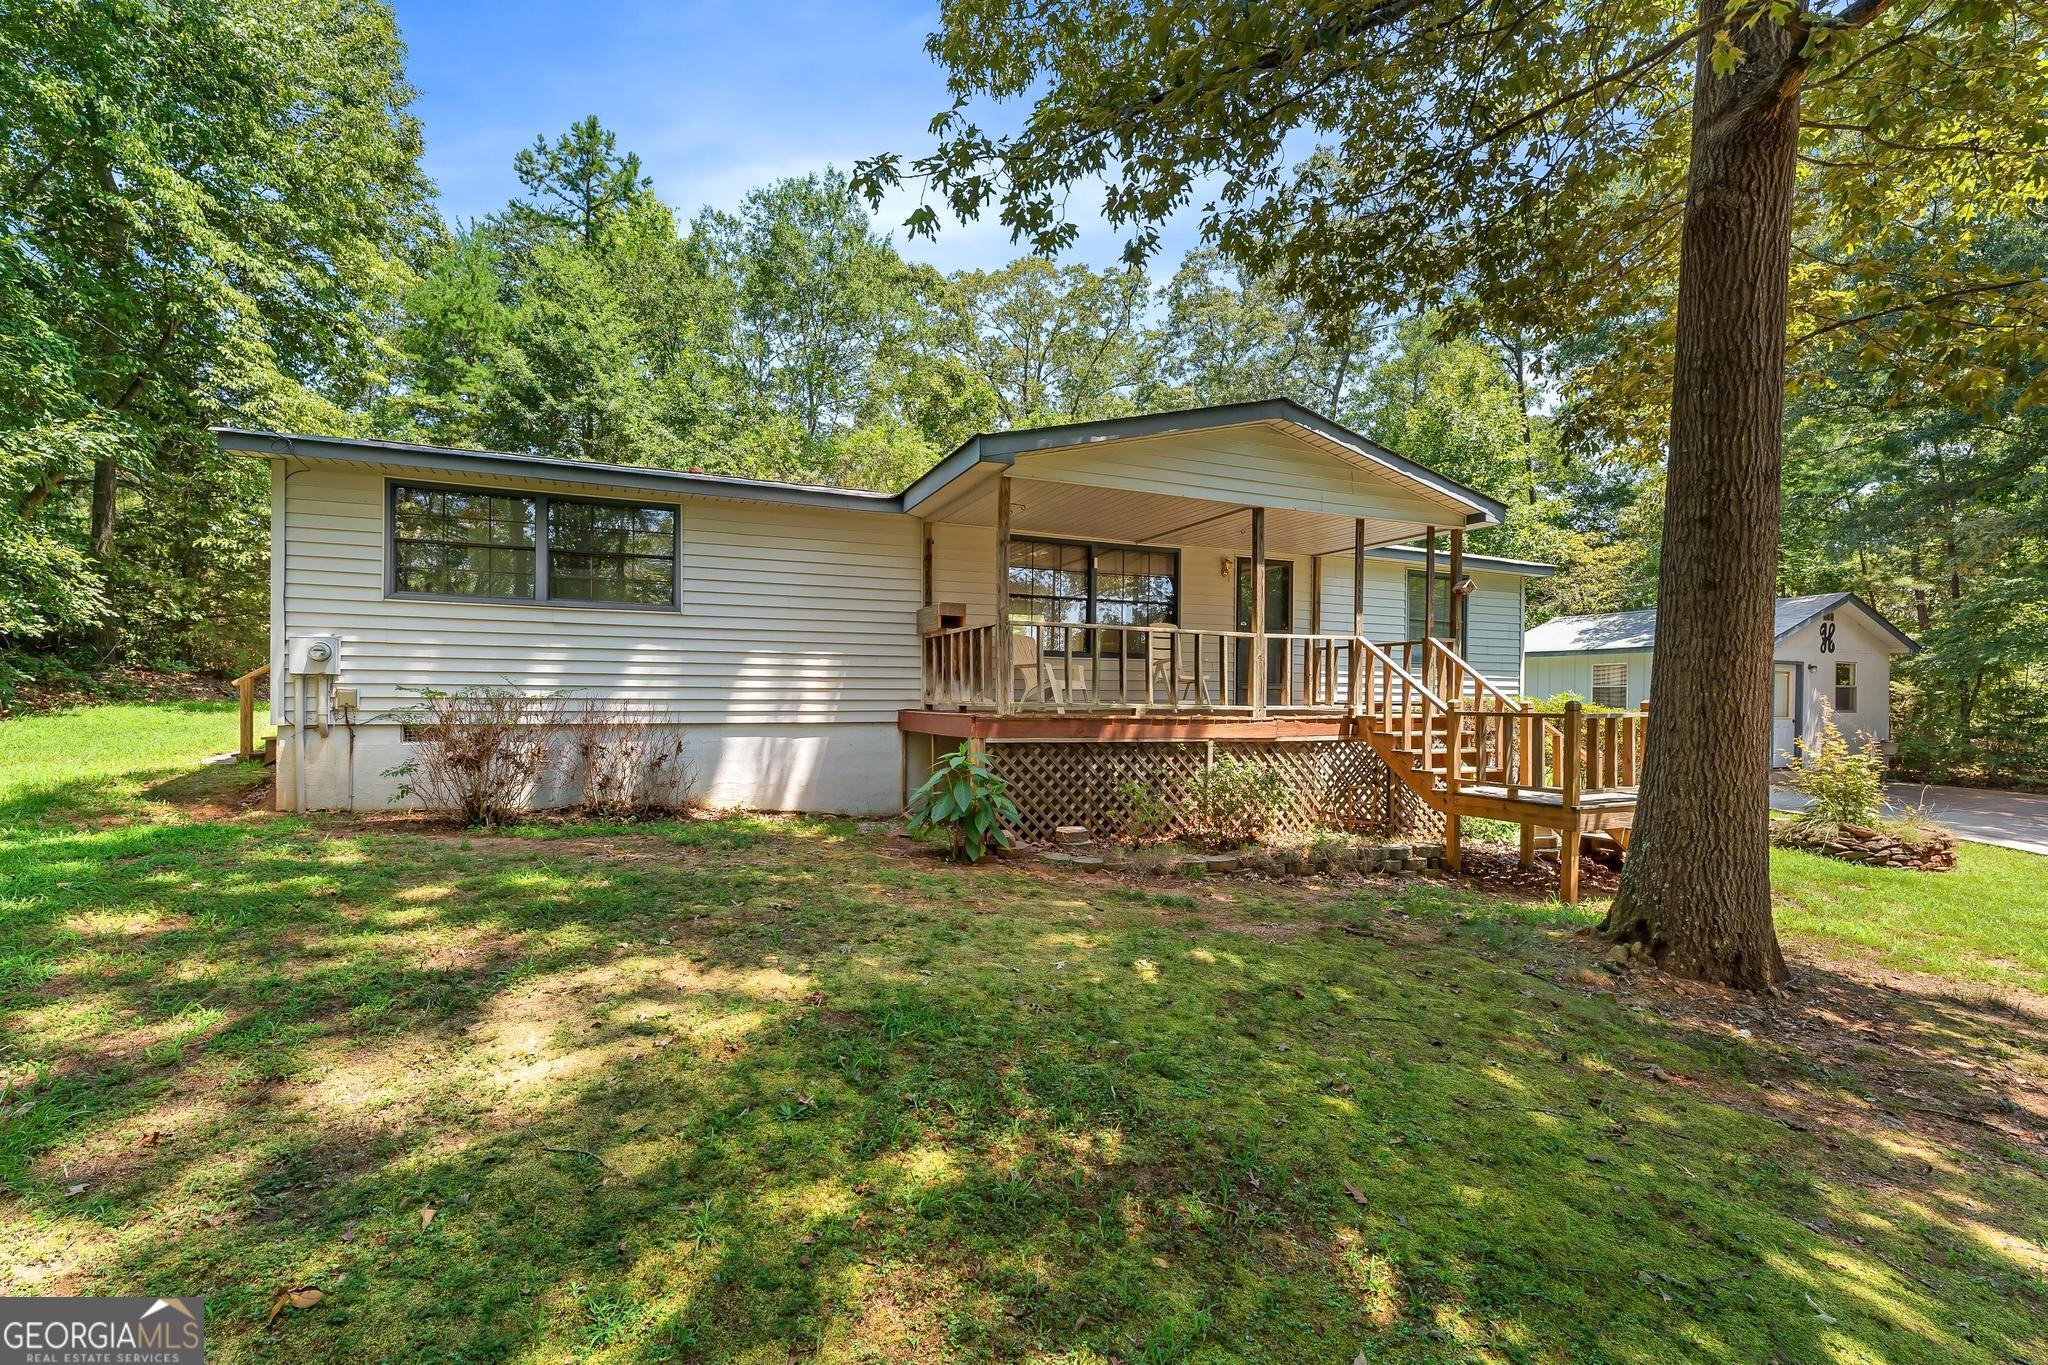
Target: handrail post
(245, 694)
(1574, 737)
(1569, 836)
(1454, 758)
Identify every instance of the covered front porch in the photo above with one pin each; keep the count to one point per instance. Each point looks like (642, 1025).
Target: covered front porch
(1109, 571)
(1124, 606)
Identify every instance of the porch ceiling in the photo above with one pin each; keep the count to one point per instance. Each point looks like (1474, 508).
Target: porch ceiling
(1197, 487)
(1076, 512)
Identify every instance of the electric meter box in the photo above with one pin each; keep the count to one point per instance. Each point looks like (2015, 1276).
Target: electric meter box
(310, 654)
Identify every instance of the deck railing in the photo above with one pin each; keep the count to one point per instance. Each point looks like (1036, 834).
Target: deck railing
(1568, 752)
(1060, 668)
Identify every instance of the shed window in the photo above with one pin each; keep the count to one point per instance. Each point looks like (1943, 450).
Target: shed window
(1111, 585)
(1610, 685)
(1845, 688)
(526, 547)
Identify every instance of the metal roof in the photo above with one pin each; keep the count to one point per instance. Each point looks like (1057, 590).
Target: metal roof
(1625, 631)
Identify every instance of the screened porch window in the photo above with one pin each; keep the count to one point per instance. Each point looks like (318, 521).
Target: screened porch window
(1108, 585)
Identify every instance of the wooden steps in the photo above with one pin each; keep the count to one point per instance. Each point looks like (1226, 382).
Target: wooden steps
(1468, 750)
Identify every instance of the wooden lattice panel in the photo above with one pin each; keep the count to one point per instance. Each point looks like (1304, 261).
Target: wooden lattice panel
(1331, 784)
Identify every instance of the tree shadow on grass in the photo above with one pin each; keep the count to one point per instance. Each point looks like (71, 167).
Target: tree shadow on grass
(792, 1095)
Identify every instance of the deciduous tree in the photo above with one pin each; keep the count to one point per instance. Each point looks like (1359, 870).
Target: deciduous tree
(1544, 167)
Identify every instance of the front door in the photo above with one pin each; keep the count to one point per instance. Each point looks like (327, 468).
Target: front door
(1279, 617)
(1784, 713)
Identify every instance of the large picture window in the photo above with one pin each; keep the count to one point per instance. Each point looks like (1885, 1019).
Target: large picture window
(529, 547)
(1107, 585)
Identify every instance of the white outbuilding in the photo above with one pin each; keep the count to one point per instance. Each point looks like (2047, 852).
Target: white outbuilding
(1833, 655)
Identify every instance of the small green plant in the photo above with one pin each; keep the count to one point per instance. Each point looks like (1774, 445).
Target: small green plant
(1842, 786)
(965, 798)
(1232, 802)
(1149, 818)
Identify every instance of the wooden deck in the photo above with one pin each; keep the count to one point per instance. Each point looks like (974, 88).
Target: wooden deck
(1465, 748)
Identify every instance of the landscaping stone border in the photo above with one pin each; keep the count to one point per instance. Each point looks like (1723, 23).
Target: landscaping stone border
(1933, 851)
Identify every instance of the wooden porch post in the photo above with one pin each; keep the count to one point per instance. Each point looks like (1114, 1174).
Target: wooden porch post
(1358, 578)
(1457, 602)
(1422, 670)
(1312, 658)
(1256, 684)
(929, 596)
(1005, 642)
(1358, 669)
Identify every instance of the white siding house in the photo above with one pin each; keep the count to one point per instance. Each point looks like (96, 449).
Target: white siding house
(778, 625)
(1833, 655)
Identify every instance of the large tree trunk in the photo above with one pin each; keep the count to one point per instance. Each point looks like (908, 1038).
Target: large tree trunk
(1696, 888)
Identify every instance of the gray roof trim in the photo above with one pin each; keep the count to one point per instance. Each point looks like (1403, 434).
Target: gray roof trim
(1834, 600)
(1789, 614)
(399, 455)
(997, 448)
(1004, 447)
(965, 456)
(1526, 568)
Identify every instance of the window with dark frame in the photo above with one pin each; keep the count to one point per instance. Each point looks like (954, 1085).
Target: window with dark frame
(525, 547)
(1107, 585)
(611, 553)
(449, 542)
(1443, 608)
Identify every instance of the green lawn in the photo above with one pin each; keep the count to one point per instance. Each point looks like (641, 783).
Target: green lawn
(747, 1089)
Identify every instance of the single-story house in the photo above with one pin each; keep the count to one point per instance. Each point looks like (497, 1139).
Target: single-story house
(1076, 600)
(1833, 655)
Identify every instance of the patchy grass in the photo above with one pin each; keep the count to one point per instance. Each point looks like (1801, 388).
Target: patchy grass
(738, 1090)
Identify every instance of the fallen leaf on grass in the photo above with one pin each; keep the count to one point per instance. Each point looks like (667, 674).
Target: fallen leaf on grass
(1357, 1195)
(427, 1216)
(305, 1296)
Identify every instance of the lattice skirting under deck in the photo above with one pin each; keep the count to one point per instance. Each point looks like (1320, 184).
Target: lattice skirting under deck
(1335, 785)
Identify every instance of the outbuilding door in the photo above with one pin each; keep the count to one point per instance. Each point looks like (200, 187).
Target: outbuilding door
(1785, 710)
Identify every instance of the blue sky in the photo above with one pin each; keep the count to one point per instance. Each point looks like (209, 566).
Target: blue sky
(716, 97)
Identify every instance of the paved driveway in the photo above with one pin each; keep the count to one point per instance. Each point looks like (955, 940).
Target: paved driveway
(2009, 819)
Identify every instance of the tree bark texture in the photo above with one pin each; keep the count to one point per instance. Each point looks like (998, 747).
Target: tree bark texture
(1696, 888)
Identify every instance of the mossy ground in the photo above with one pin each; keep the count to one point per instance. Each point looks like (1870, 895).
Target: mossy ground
(747, 1089)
